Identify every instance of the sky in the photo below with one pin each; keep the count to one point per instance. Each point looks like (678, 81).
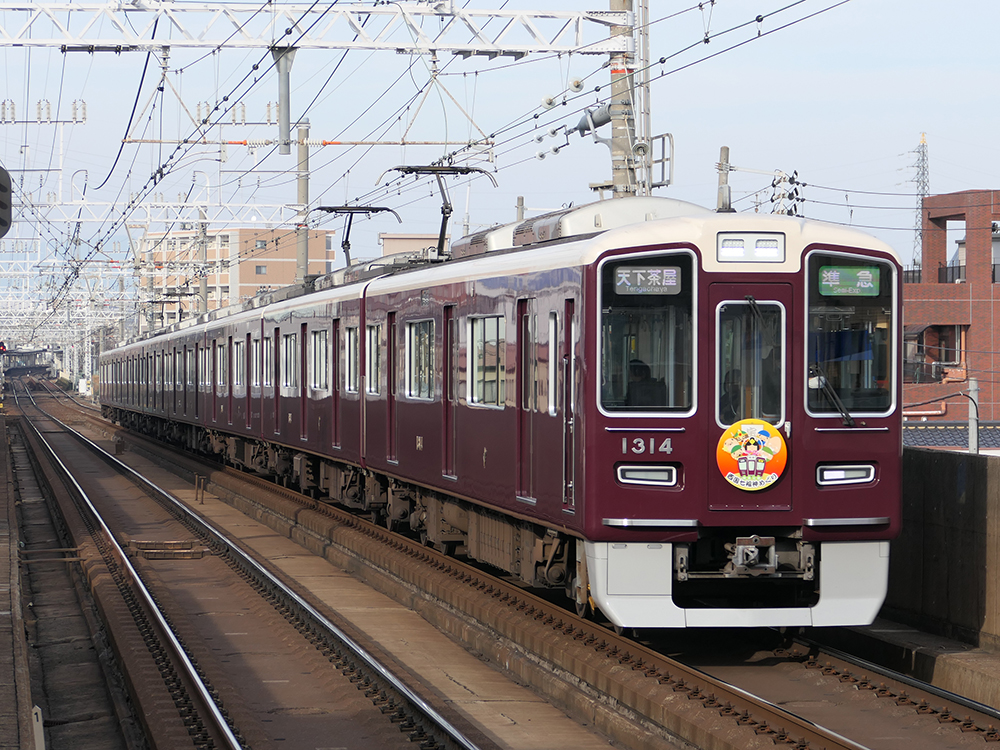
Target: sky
(841, 96)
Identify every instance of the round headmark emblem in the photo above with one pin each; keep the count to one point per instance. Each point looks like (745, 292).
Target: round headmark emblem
(751, 454)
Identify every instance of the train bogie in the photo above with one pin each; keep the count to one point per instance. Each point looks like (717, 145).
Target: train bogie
(685, 418)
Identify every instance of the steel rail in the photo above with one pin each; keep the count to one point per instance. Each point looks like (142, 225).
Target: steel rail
(233, 548)
(212, 710)
(904, 679)
(668, 671)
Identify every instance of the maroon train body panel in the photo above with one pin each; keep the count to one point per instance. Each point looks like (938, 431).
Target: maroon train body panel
(683, 418)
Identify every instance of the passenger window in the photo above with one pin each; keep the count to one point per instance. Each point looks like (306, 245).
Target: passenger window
(289, 361)
(420, 359)
(351, 353)
(487, 378)
(319, 361)
(373, 359)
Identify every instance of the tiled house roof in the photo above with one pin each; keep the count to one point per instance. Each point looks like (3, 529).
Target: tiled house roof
(949, 435)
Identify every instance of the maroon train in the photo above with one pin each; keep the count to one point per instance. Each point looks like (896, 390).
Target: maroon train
(683, 417)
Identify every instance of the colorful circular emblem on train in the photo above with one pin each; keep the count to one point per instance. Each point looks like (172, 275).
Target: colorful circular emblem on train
(751, 454)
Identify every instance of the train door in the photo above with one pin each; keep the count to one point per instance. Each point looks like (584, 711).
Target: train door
(526, 397)
(173, 381)
(303, 386)
(569, 407)
(335, 385)
(232, 367)
(198, 376)
(392, 368)
(251, 379)
(450, 391)
(751, 350)
(276, 378)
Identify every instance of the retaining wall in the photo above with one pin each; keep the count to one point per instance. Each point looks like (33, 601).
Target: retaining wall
(944, 571)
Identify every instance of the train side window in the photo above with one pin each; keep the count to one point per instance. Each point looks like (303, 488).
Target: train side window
(319, 365)
(373, 359)
(552, 364)
(420, 359)
(351, 355)
(255, 364)
(239, 364)
(488, 377)
(221, 362)
(290, 360)
(267, 361)
(206, 375)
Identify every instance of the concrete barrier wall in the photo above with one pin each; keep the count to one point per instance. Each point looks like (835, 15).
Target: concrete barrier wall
(944, 572)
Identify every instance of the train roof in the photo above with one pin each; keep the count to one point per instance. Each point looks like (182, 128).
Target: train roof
(578, 221)
(623, 222)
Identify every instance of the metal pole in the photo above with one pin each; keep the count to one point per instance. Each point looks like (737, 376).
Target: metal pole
(202, 263)
(623, 179)
(725, 204)
(150, 285)
(973, 416)
(283, 57)
(302, 231)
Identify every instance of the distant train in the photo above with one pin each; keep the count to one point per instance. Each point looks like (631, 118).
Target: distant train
(682, 417)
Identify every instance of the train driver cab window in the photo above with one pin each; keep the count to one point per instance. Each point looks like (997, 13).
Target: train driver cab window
(751, 361)
(851, 306)
(647, 340)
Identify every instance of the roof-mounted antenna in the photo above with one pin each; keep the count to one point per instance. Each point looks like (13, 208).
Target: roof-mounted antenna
(446, 208)
(350, 211)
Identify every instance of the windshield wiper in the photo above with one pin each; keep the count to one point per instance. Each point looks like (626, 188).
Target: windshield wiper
(831, 393)
(758, 316)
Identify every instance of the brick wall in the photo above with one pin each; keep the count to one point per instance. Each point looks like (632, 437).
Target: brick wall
(973, 303)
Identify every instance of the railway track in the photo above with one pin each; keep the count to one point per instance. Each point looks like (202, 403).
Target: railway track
(203, 713)
(629, 690)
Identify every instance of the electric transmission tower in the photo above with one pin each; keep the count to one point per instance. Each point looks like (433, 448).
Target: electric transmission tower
(922, 180)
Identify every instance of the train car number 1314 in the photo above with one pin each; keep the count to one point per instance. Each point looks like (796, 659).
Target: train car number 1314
(639, 445)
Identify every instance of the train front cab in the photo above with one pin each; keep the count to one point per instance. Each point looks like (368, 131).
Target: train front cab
(748, 423)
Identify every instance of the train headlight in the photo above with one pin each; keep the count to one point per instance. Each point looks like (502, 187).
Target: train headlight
(656, 476)
(754, 247)
(845, 474)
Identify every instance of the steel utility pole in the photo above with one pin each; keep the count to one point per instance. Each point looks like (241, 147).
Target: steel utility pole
(203, 265)
(302, 229)
(623, 179)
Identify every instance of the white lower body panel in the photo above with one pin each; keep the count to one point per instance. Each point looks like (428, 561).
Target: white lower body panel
(632, 583)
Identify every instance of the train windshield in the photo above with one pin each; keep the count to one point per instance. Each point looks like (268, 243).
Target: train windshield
(751, 360)
(851, 305)
(647, 337)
